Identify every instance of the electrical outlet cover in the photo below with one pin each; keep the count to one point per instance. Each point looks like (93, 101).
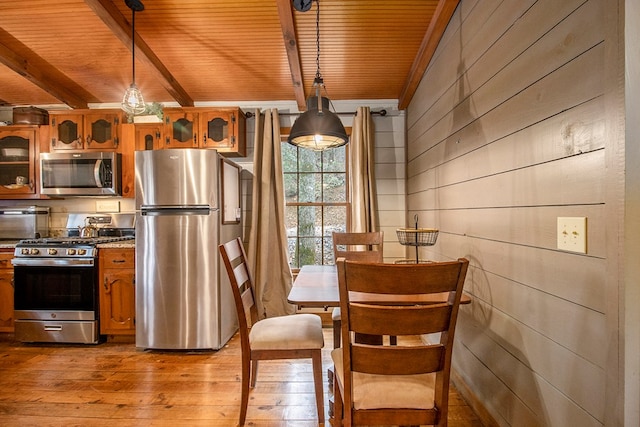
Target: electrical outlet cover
(572, 234)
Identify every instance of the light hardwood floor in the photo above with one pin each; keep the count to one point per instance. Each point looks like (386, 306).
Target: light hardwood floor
(114, 384)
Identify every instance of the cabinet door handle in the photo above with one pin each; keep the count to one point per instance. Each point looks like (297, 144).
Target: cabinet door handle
(118, 261)
(204, 139)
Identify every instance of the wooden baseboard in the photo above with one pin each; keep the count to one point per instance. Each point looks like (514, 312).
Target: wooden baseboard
(473, 401)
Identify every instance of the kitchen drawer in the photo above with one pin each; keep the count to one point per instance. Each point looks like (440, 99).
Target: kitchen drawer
(117, 258)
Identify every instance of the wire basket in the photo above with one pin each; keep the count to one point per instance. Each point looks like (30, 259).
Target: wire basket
(417, 236)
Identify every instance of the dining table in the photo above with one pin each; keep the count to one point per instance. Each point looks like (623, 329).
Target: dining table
(316, 286)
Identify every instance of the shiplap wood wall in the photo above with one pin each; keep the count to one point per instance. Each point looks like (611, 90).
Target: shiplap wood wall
(508, 131)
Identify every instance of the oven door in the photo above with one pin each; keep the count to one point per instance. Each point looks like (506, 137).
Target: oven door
(56, 303)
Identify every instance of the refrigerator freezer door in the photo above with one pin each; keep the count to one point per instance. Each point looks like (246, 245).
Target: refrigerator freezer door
(178, 177)
(178, 294)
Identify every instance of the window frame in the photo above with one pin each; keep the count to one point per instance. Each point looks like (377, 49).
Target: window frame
(284, 134)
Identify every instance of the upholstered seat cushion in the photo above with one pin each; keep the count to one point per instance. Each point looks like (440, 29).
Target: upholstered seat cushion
(388, 391)
(297, 331)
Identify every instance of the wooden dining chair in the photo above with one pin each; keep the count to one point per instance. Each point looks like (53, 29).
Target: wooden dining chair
(405, 384)
(297, 336)
(364, 246)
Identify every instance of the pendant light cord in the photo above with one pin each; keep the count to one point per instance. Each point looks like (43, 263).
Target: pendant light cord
(318, 75)
(133, 45)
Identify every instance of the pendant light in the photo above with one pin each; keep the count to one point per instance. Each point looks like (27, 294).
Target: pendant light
(318, 128)
(132, 102)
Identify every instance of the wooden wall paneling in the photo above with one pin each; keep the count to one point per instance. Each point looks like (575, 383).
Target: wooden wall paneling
(445, 68)
(571, 181)
(551, 320)
(532, 39)
(530, 226)
(548, 96)
(548, 405)
(576, 278)
(575, 131)
(553, 95)
(506, 407)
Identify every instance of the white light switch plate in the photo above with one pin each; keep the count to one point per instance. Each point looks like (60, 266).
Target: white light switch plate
(108, 206)
(572, 234)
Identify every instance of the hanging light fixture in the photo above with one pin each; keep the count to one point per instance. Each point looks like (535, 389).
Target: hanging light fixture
(132, 102)
(318, 128)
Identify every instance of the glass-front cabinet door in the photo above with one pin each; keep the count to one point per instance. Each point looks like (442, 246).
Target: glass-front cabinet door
(223, 129)
(101, 130)
(17, 161)
(180, 129)
(66, 131)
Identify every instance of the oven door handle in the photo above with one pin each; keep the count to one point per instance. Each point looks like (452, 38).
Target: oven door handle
(52, 262)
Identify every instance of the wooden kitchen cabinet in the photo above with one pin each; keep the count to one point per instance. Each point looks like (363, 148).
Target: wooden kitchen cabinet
(180, 128)
(220, 128)
(85, 129)
(6, 291)
(18, 154)
(149, 136)
(117, 291)
(224, 130)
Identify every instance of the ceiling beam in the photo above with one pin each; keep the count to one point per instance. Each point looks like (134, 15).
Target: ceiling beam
(437, 26)
(285, 13)
(118, 24)
(25, 62)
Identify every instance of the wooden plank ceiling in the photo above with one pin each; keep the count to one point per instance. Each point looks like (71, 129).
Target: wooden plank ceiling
(78, 52)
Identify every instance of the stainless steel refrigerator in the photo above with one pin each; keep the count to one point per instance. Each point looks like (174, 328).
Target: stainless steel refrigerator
(187, 203)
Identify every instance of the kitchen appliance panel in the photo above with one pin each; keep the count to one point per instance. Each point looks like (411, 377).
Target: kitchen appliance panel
(177, 279)
(58, 331)
(24, 223)
(176, 177)
(96, 173)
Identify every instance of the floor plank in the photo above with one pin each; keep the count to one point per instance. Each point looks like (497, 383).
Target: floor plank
(115, 384)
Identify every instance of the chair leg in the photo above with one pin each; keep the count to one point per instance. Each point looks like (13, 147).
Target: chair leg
(316, 360)
(337, 404)
(337, 324)
(244, 399)
(254, 372)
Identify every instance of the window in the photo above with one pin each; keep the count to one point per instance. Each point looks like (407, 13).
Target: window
(316, 196)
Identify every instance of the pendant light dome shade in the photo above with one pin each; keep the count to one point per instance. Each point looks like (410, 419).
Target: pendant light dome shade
(318, 129)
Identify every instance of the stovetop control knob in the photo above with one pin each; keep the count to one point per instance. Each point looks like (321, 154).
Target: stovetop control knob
(52, 251)
(71, 251)
(24, 251)
(82, 251)
(34, 251)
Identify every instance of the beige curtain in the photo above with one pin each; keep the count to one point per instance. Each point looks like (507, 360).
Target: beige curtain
(267, 239)
(364, 216)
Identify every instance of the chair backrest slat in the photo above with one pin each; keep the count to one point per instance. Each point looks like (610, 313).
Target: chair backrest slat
(394, 360)
(399, 320)
(365, 247)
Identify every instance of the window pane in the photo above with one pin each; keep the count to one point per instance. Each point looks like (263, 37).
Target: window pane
(334, 159)
(309, 161)
(291, 187)
(293, 252)
(289, 157)
(291, 221)
(327, 245)
(335, 220)
(310, 188)
(309, 251)
(334, 188)
(309, 221)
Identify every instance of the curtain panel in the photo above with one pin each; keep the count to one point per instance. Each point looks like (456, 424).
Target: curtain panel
(268, 240)
(364, 212)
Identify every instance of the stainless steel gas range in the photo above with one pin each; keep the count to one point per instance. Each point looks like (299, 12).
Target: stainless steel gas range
(56, 289)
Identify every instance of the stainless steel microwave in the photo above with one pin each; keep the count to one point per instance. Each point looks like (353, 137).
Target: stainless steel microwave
(80, 174)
